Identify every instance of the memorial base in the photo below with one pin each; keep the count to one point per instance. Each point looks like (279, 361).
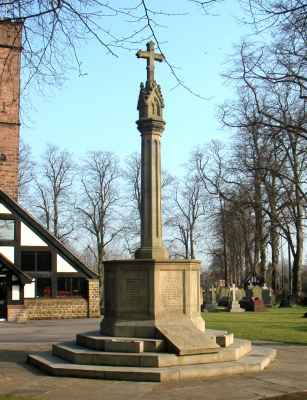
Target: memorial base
(156, 299)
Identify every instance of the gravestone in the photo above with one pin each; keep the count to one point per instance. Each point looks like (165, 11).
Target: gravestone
(234, 305)
(211, 304)
(253, 301)
(222, 295)
(253, 292)
(267, 296)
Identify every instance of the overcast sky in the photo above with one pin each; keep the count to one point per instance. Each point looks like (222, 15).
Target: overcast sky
(98, 110)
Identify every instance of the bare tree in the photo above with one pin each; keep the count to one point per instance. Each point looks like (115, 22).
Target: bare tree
(54, 30)
(187, 214)
(98, 203)
(132, 202)
(52, 187)
(25, 172)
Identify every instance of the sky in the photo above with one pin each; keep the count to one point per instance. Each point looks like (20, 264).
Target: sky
(97, 111)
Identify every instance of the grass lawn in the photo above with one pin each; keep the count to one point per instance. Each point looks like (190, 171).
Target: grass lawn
(285, 325)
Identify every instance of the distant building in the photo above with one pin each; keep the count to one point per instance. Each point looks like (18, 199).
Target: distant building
(39, 277)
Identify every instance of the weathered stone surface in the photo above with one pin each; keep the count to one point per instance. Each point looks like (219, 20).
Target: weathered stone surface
(142, 295)
(185, 338)
(255, 361)
(96, 341)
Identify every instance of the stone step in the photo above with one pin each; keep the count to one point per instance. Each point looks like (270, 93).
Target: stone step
(223, 338)
(80, 355)
(255, 361)
(96, 341)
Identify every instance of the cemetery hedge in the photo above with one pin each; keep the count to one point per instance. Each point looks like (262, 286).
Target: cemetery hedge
(285, 325)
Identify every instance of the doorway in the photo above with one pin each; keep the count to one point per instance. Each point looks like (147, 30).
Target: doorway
(3, 297)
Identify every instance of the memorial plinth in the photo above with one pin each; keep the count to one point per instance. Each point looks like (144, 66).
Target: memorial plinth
(156, 299)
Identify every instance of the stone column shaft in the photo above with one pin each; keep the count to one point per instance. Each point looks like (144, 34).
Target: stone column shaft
(151, 220)
(151, 200)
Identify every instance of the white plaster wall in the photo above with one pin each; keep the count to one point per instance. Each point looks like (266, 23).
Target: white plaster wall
(8, 252)
(29, 290)
(64, 266)
(29, 238)
(4, 210)
(15, 292)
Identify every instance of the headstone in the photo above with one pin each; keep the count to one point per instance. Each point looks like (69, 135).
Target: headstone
(253, 292)
(234, 306)
(267, 296)
(211, 299)
(258, 305)
(253, 301)
(222, 295)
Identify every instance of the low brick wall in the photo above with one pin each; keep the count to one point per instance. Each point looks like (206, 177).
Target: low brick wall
(93, 298)
(56, 308)
(13, 310)
(59, 308)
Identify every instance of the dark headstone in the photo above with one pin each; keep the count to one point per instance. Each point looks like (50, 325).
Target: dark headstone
(247, 303)
(210, 299)
(285, 302)
(267, 297)
(252, 304)
(223, 301)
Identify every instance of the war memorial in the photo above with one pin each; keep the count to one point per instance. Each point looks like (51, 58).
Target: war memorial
(152, 329)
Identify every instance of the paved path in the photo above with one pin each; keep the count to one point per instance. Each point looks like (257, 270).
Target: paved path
(287, 374)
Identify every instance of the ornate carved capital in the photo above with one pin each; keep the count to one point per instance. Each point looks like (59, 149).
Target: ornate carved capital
(150, 125)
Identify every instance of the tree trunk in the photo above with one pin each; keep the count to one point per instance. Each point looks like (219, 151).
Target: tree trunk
(298, 256)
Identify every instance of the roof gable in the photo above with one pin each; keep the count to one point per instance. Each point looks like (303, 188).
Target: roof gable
(6, 263)
(46, 236)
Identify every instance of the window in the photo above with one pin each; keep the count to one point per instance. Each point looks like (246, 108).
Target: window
(36, 261)
(72, 287)
(43, 261)
(43, 287)
(7, 229)
(28, 260)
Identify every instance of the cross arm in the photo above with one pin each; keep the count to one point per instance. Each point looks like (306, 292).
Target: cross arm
(159, 57)
(142, 54)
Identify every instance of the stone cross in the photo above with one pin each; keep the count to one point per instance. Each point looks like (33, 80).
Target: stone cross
(151, 57)
(233, 290)
(151, 126)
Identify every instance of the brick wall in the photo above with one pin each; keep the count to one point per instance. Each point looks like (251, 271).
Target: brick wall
(56, 308)
(59, 308)
(13, 310)
(93, 298)
(10, 49)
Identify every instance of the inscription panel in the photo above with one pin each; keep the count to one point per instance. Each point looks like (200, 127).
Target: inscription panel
(172, 290)
(134, 291)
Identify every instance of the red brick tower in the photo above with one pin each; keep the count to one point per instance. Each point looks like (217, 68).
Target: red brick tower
(10, 51)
